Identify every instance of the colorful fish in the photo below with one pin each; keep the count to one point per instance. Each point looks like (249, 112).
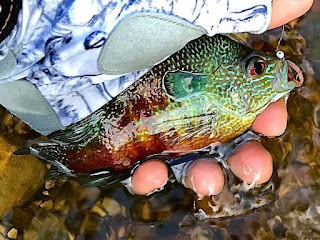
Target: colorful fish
(208, 92)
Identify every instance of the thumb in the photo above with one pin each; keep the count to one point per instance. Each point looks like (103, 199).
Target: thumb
(283, 11)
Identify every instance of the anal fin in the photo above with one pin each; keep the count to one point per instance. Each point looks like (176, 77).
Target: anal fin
(55, 172)
(102, 178)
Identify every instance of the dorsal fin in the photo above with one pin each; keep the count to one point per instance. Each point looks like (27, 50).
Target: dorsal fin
(180, 84)
(238, 37)
(79, 133)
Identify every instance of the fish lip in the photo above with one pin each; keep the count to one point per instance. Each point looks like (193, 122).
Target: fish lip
(287, 77)
(295, 74)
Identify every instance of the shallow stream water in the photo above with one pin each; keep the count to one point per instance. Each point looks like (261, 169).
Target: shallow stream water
(287, 207)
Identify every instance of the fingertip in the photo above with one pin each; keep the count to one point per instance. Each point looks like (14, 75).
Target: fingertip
(284, 11)
(149, 176)
(252, 162)
(273, 120)
(205, 177)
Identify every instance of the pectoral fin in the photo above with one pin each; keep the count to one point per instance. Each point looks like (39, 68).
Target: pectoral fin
(181, 84)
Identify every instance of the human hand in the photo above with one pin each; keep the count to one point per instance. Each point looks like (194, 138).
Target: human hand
(251, 162)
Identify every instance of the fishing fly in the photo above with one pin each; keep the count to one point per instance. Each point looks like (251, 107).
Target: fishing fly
(280, 54)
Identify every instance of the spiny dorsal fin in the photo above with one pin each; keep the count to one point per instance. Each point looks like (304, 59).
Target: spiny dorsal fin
(238, 37)
(180, 84)
(81, 132)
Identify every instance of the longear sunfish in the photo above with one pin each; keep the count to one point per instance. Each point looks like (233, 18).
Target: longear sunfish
(208, 92)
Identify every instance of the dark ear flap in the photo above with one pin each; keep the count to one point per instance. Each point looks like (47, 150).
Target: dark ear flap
(181, 84)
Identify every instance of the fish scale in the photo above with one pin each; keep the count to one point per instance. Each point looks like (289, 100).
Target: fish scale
(202, 94)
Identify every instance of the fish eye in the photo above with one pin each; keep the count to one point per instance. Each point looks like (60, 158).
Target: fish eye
(255, 66)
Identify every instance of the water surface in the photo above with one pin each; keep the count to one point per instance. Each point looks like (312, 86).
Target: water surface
(287, 207)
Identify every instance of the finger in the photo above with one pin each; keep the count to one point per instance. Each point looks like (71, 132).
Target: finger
(205, 177)
(283, 11)
(273, 120)
(149, 176)
(251, 162)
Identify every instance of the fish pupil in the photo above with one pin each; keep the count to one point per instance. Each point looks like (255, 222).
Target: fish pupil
(257, 67)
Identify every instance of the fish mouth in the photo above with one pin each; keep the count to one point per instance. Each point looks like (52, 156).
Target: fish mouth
(295, 74)
(288, 77)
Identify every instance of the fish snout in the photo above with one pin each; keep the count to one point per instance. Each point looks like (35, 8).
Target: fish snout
(295, 74)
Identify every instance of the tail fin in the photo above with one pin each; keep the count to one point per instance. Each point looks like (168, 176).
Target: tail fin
(50, 153)
(22, 151)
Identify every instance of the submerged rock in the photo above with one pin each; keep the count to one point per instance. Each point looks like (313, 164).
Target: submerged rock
(47, 226)
(20, 176)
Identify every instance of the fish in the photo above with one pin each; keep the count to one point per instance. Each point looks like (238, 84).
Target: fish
(209, 92)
